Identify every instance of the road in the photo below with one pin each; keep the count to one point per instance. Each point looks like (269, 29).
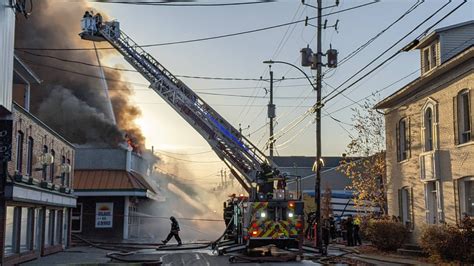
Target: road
(90, 255)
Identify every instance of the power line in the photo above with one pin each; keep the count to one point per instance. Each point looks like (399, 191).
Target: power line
(205, 38)
(366, 44)
(185, 160)
(135, 71)
(163, 3)
(326, 99)
(141, 84)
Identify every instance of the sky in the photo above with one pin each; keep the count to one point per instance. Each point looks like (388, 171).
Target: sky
(242, 57)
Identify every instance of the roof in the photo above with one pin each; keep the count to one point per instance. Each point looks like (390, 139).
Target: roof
(419, 84)
(430, 37)
(22, 73)
(109, 180)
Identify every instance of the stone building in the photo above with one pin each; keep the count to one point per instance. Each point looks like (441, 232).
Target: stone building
(430, 143)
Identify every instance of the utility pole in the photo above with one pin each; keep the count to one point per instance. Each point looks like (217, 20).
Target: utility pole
(317, 183)
(308, 58)
(271, 113)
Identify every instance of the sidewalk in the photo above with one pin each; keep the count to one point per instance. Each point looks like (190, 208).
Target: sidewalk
(386, 259)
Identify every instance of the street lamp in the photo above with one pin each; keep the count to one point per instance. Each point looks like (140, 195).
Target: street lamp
(294, 66)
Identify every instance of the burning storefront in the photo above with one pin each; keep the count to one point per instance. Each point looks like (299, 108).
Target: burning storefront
(112, 185)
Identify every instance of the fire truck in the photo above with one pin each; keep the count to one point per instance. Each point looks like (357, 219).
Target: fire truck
(269, 214)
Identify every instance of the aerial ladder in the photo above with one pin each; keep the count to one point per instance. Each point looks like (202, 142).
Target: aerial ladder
(266, 215)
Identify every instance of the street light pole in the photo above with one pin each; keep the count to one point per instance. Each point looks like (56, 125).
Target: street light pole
(271, 113)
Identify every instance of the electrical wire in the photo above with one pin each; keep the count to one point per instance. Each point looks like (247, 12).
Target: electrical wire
(328, 97)
(135, 71)
(366, 44)
(185, 160)
(206, 38)
(162, 3)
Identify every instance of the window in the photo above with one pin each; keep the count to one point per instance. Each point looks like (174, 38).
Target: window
(405, 203)
(63, 175)
(58, 234)
(433, 54)
(428, 123)
(45, 169)
(52, 166)
(430, 57)
(426, 60)
(403, 139)
(19, 151)
(9, 230)
(24, 245)
(466, 195)
(29, 157)
(463, 108)
(76, 219)
(47, 228)
(38, 213)
(68, 175)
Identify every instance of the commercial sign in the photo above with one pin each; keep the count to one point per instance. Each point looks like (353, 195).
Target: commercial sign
(104, 214)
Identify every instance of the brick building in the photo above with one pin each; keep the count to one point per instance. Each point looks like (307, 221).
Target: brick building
(37, 190)
(430, 145)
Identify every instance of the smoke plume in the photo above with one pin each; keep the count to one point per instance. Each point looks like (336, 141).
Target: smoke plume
(71, 99)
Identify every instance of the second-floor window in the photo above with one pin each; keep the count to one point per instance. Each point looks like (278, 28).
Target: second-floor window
(463, 112)
(19, 151)
(29, 157)
(51, 166)
(403, 139)
(428, 129)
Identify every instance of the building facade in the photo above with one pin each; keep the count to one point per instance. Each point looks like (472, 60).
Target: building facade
(430, 143)
(114, 191)
(37, 196)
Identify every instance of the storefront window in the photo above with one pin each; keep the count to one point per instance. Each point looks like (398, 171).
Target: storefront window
(24, 229)
(47, 231)
(9, 226)
(37, 229)
(57, 227)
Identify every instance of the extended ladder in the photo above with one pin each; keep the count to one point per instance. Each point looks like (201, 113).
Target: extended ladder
(243, 158)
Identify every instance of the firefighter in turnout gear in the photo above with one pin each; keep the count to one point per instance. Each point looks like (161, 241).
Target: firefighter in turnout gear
(174, 232)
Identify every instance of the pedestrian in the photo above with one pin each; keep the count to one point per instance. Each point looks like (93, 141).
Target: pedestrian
(350, 231)
(357, 240)
(174, 232)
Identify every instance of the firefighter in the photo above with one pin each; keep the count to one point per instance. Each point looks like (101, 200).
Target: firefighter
(174, 232)
(87, 15)
(98, 20)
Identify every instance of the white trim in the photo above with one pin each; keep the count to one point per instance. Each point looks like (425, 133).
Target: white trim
(112, 193)
(41, 197)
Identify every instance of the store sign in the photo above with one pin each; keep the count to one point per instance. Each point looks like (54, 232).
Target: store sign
(104, 214)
